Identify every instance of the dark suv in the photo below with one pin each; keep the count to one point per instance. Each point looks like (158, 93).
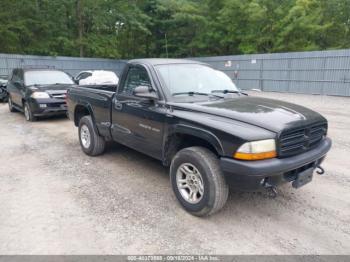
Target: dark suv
(3, 89)
(38, 92)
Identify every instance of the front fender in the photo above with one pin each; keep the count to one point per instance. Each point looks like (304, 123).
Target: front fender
(200, 133)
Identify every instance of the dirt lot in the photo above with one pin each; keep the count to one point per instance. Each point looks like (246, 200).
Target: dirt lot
(56, 200)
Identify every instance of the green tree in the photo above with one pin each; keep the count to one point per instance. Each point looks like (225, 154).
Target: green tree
(141, 28)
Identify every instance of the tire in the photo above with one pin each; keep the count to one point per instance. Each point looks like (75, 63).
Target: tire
(212, 189)
(5, 99)
(11, 108)
(28, 114)
(90, 141)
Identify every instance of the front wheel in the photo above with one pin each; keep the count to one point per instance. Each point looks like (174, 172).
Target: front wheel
(28, 114)
(5, 99)
(198, 182)
(91, 142)
(11, 108)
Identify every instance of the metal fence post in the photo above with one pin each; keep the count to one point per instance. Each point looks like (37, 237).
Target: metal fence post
(324, 75)
(289, 80)
(261, 72)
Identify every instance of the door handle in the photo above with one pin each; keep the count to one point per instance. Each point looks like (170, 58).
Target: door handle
(134, 104)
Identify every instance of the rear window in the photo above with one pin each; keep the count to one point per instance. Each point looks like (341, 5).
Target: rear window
(46, 77)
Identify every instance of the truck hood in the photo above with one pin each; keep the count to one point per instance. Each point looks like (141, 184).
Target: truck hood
(273, 115)
(51, 87)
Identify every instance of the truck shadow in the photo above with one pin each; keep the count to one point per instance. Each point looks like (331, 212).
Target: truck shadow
(238, 201)
(114, 149)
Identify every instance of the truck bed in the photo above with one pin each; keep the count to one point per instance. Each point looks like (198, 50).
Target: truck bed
(98, 100)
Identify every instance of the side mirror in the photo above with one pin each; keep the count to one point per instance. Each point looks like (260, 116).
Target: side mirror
(18, 83)
(76, 81)
(146, 92)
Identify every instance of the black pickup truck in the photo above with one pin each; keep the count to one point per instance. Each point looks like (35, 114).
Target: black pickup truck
(195, 120)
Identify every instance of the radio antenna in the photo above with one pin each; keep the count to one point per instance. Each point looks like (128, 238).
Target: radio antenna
(167, 56)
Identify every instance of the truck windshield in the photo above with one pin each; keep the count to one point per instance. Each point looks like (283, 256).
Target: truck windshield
(46, 77)
(194, 79)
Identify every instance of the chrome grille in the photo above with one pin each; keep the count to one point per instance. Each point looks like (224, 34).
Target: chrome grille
(301, 140)
(59, 96)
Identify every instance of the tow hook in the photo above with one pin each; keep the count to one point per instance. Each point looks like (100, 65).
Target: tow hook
(320, 170)
(270, 189)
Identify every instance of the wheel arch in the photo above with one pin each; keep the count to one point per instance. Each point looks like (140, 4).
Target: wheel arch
(82, 110)
(186, 136)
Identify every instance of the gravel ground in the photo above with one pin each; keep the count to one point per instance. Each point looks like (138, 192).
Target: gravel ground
(56, 200)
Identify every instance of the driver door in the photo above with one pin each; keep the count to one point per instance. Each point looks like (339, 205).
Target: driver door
(16, 87)
(137, 122)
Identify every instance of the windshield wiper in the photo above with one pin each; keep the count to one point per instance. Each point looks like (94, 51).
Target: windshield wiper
(190, 93)
(226, 91)
(33, 85)
(36, 85)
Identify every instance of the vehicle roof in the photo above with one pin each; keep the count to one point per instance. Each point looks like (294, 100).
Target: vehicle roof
(39, 69)
(96, 71)
(163, 61)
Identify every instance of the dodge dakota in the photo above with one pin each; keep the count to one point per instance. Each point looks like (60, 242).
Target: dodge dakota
(196, 121)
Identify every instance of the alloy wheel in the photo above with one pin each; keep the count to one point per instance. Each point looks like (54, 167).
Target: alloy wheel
(85, 136)
(26, 112)
(190, 183)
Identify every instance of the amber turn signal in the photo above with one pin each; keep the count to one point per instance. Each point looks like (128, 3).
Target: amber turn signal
(255, 156)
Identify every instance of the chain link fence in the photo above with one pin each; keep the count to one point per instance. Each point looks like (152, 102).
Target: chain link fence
(319, 72)
(71, 65)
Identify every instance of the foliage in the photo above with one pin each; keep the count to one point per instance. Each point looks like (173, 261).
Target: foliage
(174, 28)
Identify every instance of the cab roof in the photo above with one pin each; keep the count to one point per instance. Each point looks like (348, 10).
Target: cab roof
(38, 69)
(163, 61)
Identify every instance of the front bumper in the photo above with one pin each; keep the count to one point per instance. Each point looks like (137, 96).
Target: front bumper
(52, 106)
(248, 175)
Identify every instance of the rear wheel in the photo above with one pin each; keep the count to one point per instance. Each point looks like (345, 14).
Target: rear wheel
(198, 182)
(11, 108)
(28, 114)
(91, 142)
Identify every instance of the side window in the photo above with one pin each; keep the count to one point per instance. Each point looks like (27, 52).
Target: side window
(15, 77)
(79, 76)
(20, 76)
(84, 75)
(137, 76)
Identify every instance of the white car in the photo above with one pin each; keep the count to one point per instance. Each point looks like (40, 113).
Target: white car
(96, 77)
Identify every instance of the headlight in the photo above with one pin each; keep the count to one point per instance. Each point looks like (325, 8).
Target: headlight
(257, 150)
(40, 95)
